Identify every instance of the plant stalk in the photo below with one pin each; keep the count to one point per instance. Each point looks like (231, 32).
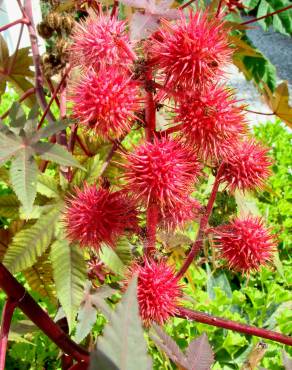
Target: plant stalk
(7, 314)
(267, 15)
(202, 317)
(39, 317)
(150, 123)
(14, 23)
(27, 13)
(197, 246)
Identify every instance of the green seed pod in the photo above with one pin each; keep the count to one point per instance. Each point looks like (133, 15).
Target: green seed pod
(44, 30)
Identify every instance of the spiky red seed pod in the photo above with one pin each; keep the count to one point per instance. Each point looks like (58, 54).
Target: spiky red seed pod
(159, 290)
(172, 218)
(211, 120)
(94, 216)
(245, 243)
(190, 51)
(100, 38)
(106, 101)
(247, 166)
(162, 172)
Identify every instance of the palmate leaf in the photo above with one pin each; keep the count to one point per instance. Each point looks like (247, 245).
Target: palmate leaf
(16, 70)
(69, 271)
(23, 174)
(55, 153)
(122, 345)
(199, 354)
(93, 299)
(10, 145)
(279, 102)
(110, 258)
(40, 277)
(9, 206)
(48, 186)
(169, 346)
(29, 244)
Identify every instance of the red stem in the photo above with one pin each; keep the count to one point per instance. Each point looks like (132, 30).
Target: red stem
(16, 50)
(152, 219)
(27, 14)
(115, 8)
(232, 325)
(83, 147)
(7, 314)
(219, 8)
(53, 97)
(18, 21)
(186, 4)
(39, 317)
(263, 114)
(203, 223)
(52, 91)
(150, 123)
(267, 15)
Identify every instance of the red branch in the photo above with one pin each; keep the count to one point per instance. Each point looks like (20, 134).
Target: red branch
(39, 317)
(53, 97)
(262, 113)
(18, 21)
(5, 326)
(267, 15)
(203, 223)
(150, 123)
(187, 4)
(185, 313)
(27, 13)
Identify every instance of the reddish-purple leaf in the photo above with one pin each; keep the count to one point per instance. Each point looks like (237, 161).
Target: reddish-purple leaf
(199, 354)
(169, 346)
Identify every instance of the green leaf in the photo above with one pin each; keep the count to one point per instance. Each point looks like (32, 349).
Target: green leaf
(92, 169)
(93, 299)
(4, 175)
(69, 271)
(55, 153)
(123, 250)
(30, 243)
(217, 280)
(123, 344)
(47, 186)
(281, 22)
(23, 174)
(109, 257)
(9, 206)
(10, 145)
(49, 130)
(17, 117)
(246, 204)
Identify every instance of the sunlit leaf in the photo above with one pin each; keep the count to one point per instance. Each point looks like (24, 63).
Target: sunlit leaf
(56, 153)
(122, 342)
(30, 243)
(69, 271)
(279, 102)
(23, 173)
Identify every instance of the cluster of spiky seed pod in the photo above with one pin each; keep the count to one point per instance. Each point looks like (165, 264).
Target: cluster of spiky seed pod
(185, 60)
